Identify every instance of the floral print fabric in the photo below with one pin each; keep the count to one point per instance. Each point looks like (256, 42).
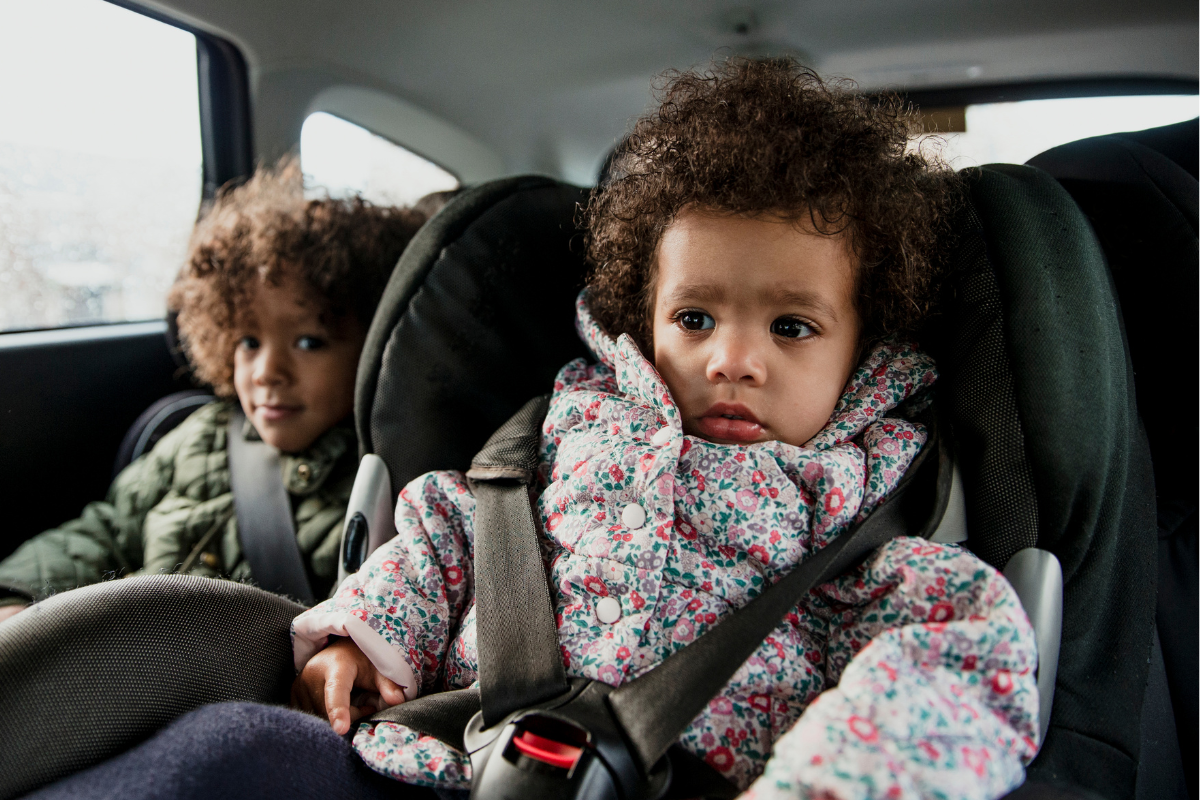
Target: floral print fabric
(911, 676)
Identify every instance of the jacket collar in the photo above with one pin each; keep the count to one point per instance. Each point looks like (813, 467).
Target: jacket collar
(304, 473)
(893, 372)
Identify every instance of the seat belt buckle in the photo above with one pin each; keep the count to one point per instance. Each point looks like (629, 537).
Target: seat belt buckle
(537, 755)
(558, 755)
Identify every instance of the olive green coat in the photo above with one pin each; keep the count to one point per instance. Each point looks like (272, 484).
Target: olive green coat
(172, 511)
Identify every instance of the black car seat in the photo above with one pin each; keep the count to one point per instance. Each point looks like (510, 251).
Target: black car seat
(164, 414)
(1140, 194)
(478, 317)
(162, 417)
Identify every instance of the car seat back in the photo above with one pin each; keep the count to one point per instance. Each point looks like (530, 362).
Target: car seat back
(123, 658)
(1142, 206)
(1040, 391)
(477, 318)
(162, 417)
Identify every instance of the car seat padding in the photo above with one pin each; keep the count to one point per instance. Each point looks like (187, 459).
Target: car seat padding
(91, 672)
(1143, 209)
(1088, 462)
(477, 318)
(162, 417)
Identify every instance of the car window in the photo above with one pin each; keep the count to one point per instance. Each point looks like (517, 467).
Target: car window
(345, 159)
(1016, 132)
(100, 162)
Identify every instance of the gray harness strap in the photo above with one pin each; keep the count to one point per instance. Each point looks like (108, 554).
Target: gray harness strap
(264, 515)
(519, 660)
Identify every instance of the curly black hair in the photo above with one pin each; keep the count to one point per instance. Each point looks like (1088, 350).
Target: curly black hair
(341, 250)
(771, 137)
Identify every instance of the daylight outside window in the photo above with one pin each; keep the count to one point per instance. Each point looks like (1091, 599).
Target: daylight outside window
(1016, 132)
(100, 162)
(344, 159)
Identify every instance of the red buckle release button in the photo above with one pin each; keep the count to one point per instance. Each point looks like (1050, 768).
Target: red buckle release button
(548, 751)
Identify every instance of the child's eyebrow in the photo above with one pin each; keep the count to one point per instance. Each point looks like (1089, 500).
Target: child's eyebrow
(696, 293)
(772, 296)
(791, 297)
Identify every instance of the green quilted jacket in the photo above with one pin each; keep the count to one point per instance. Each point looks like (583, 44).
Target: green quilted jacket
(172, 511)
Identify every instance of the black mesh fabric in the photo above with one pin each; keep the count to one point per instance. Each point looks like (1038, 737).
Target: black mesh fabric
(977, 386)
(88, 673)
(477, 318)
(1048, 317)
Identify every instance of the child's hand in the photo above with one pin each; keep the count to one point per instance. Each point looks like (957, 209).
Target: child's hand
(10, 611)
(324, 685)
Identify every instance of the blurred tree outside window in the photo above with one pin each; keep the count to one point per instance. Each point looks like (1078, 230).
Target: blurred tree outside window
(100, 162)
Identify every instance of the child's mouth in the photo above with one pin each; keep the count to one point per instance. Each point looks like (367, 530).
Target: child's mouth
(277, 413)
(729, 422)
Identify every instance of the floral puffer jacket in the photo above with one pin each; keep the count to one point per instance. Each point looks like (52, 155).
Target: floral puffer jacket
(911, 676)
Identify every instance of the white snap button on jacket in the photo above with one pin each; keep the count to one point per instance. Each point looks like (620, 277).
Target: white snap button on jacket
(661, 436)
(633, 516)
(608, 610)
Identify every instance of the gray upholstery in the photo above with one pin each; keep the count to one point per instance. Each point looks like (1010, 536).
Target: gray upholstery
(88, 673)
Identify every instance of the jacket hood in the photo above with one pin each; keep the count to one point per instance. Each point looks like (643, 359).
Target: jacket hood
(893, 372)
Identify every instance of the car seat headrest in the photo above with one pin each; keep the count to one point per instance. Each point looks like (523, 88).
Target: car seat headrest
(1142, 207)
(477, 317)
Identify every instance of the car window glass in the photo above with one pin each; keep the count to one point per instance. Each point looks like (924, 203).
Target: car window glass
(346, 159)
(1016, 132)
(100, 162)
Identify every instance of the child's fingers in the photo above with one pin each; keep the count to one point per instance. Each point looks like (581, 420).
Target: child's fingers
(339, 680)
(390, 691)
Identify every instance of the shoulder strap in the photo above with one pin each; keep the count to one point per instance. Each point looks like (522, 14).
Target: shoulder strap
(264, 514)
(519, 660)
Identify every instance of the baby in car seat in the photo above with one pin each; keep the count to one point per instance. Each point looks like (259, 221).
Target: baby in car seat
(762, 258)
(273, 304)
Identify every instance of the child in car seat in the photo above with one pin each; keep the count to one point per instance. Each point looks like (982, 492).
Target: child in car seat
(761, 258)
(273, 304)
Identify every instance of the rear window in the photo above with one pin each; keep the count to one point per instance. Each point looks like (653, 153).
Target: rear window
(1016, 132)
(345, 159)
(100, 162)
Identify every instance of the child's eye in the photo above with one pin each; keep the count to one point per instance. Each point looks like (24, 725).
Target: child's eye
(696, 321)
(310, 343)
(248, 342)
(791, 328)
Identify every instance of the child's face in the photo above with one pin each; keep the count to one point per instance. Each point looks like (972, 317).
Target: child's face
(755, 326)
(294, 377)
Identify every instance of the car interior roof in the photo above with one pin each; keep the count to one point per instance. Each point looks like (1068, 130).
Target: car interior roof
(488, 89)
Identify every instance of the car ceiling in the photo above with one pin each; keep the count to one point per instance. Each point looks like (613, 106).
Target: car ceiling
(549, 86)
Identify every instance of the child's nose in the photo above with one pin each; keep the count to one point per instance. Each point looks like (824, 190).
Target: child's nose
(736, 359)
(270, 368)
